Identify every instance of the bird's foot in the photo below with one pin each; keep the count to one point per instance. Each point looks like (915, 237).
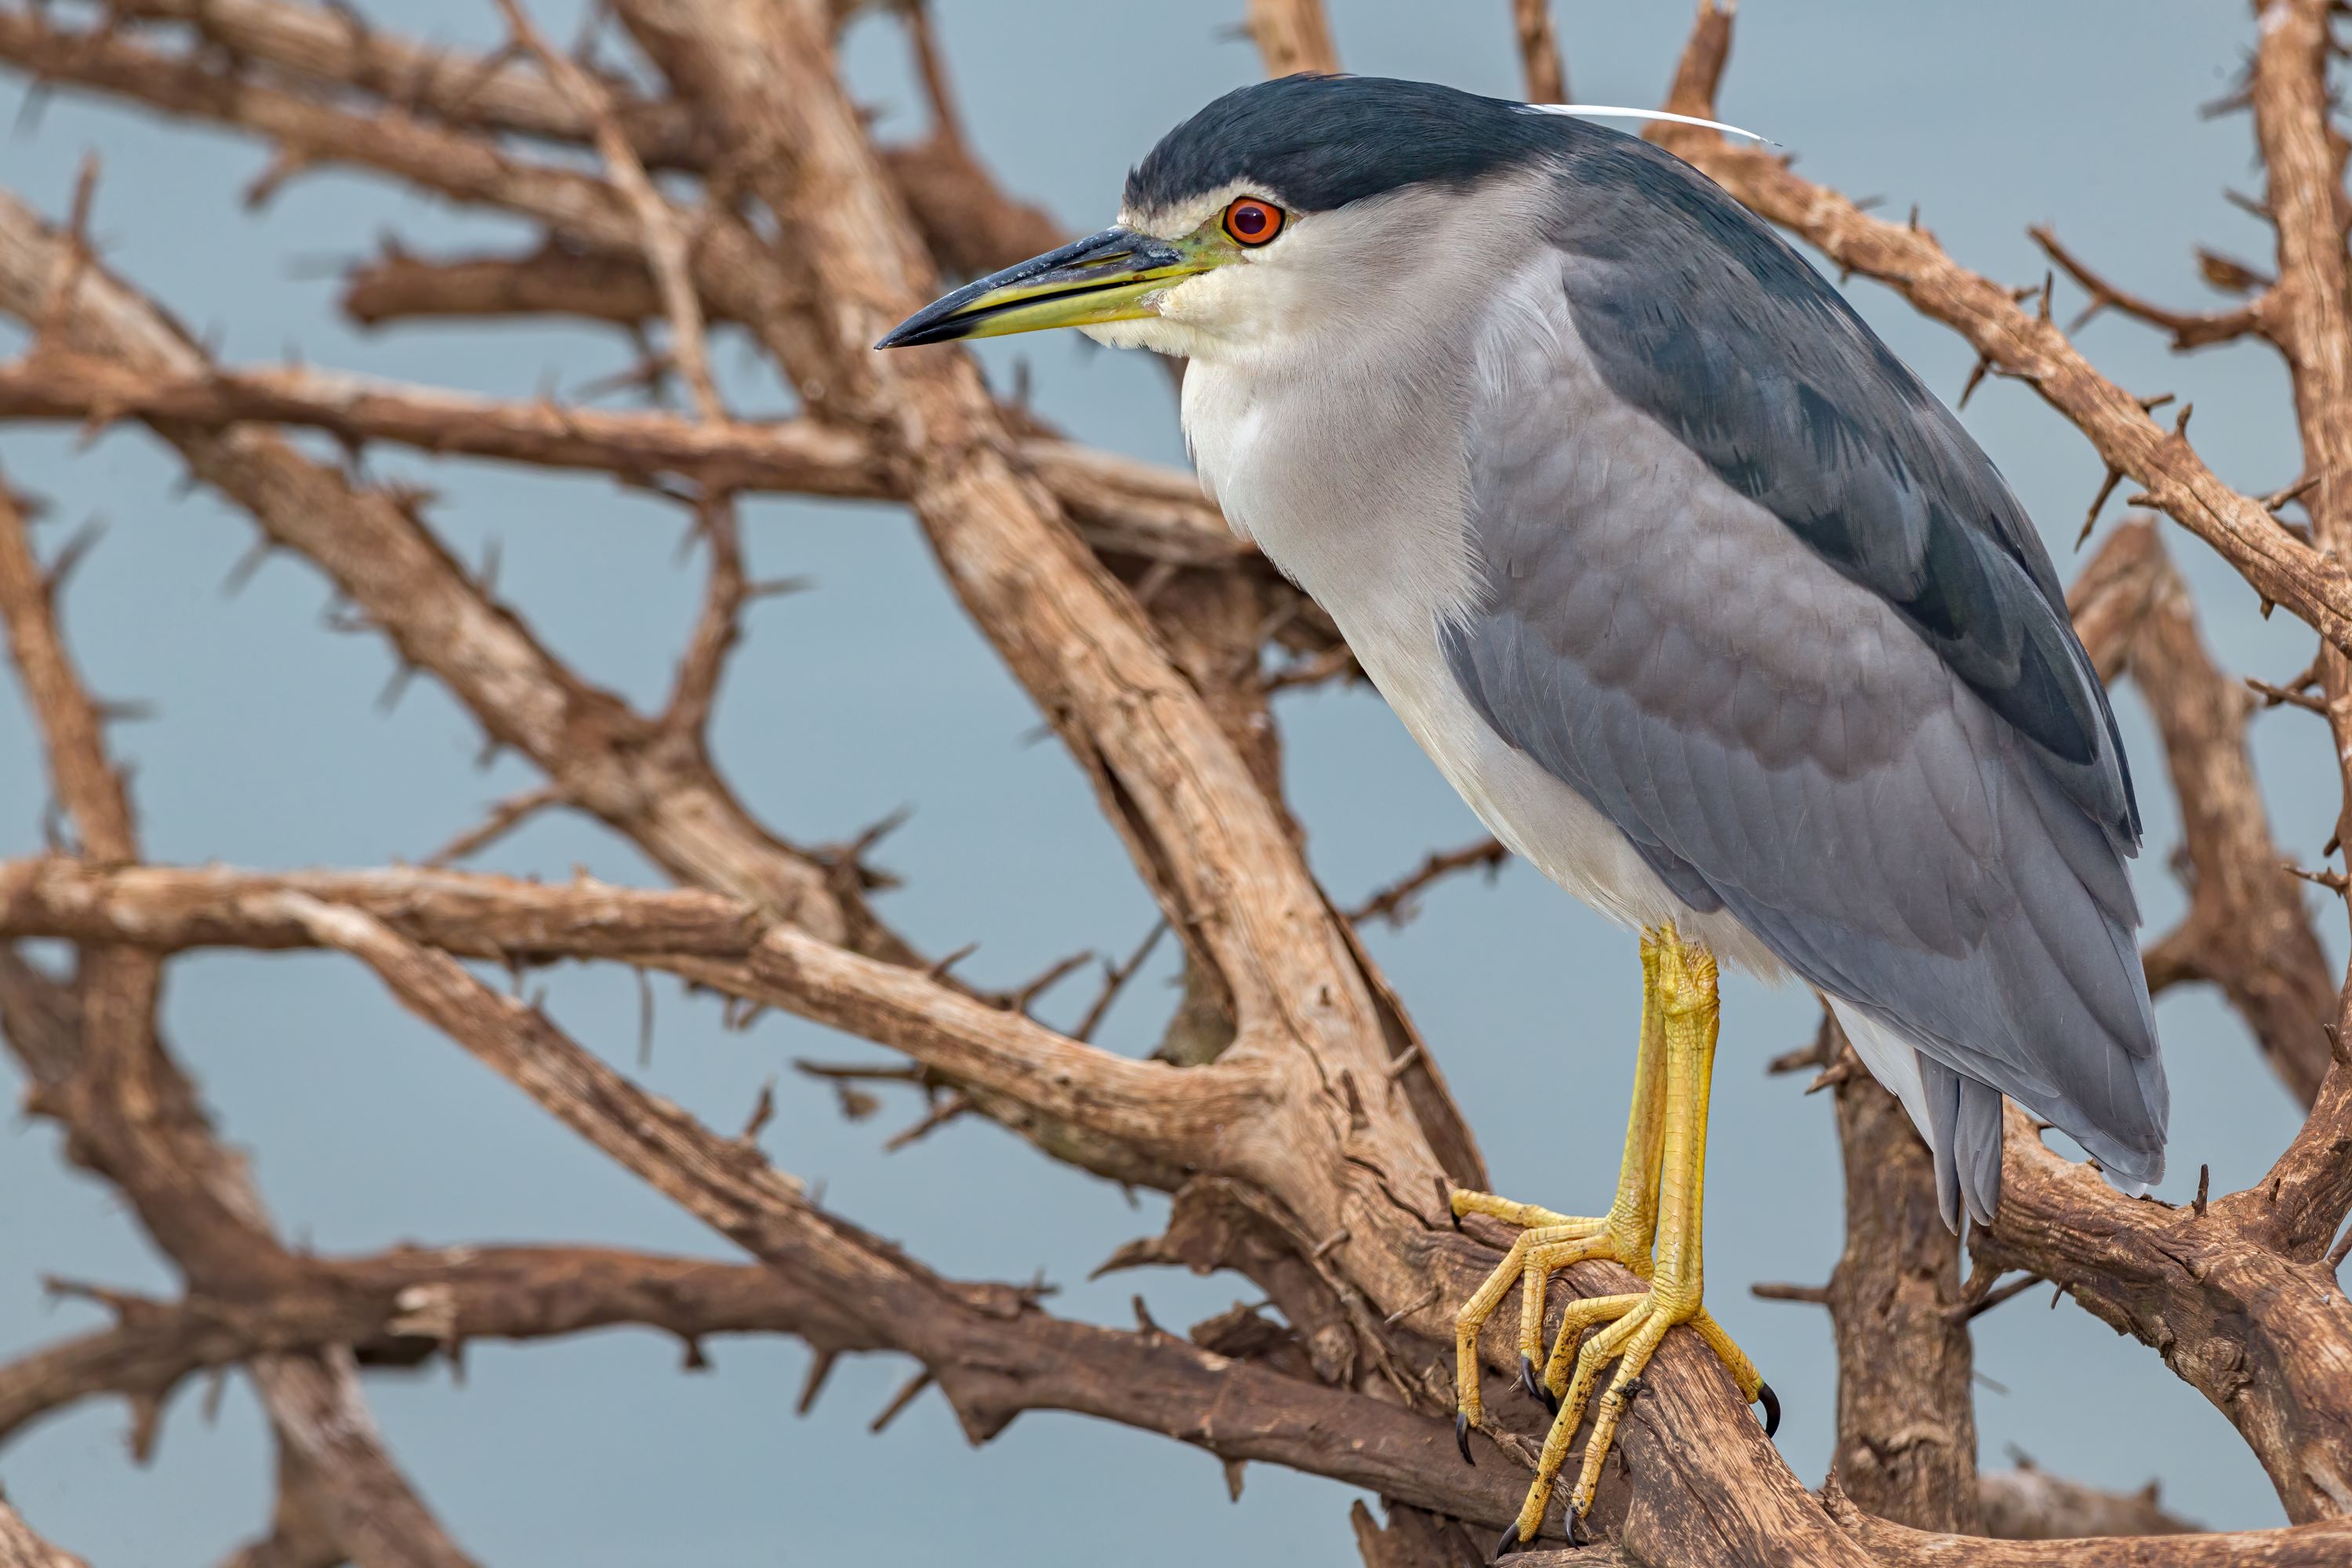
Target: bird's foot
(1652, 1229)
(1636, 1325)
(1547, 1243)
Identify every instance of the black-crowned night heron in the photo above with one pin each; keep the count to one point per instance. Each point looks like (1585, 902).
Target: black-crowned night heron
(1702, 601)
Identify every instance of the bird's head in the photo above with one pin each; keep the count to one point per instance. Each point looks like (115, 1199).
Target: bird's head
(1282, 206)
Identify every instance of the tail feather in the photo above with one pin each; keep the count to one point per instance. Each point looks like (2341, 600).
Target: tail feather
(1958, 1116)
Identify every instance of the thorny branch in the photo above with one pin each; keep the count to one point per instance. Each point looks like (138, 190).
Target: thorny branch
(132, 1116)
(1121, 506)
(2304, 157)
(371, 543)
(2189, 329)
(1394, 903)
(666, 238)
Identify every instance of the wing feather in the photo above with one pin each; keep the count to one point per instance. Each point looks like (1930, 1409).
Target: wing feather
(1759, 599)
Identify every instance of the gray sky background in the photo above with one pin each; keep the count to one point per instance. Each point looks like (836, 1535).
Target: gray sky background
(873, 692)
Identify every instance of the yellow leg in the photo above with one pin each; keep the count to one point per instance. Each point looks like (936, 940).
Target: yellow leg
(1680, 1015)
(1550, 1242)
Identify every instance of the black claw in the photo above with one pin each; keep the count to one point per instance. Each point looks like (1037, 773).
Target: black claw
(1577, 1534)
(1771, 1402)
(1461, 1435)
(1534, 1384)
(1509, 1544)
(1634, 1387)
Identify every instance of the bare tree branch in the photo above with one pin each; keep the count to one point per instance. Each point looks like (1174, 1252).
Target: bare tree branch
(2189, 329)
(971, 224)
(1896, 1546)
(732, 266)
(666, 799)
(2313, 320)
(666, 238)
(1907, 1447)
(317, 47)
(1178, 1116)
(301, 1522)
(554, 279)
(1394, 902)
(2030, 1504)
(2226, 1291)
(1120, 505)
(84, 782)
(132, 1116)
(989, 1348)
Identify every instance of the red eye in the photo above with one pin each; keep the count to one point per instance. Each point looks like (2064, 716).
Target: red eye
(1252, 222)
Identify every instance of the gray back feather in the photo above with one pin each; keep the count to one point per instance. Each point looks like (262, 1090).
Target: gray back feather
(1756, 596)
(1705, 320)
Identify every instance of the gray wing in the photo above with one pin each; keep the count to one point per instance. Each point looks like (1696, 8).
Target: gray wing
(1701, 316)
(1753, 593)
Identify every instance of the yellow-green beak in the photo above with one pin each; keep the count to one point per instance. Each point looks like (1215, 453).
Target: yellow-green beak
(1106, 276)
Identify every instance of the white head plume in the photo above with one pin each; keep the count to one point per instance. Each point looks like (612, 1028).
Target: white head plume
(1609, 111)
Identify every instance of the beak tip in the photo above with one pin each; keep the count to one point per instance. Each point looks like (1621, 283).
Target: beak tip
(919, 329)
